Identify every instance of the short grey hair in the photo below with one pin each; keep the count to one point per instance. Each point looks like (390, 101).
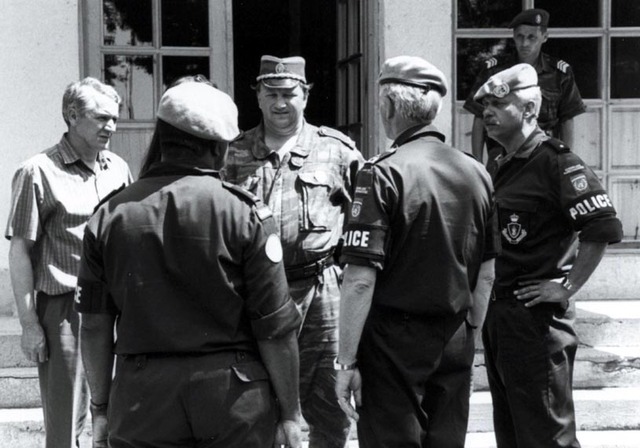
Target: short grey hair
(76, 98)
(413, 103)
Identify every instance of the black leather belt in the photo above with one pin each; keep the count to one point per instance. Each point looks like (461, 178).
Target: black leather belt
(312, 269)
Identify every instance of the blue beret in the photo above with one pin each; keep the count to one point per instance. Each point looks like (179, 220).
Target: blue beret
(518, 77)
(533, 17)
(201, 110)
(413, 71)
(284, 73)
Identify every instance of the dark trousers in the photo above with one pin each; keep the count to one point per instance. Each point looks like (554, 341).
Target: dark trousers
(63, 385)
(529, 354)
(209, 401)
(416, 375)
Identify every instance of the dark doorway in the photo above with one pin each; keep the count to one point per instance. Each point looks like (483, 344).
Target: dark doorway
(284, 28)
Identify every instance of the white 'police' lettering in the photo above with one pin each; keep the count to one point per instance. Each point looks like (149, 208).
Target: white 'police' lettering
(589, 205)
(359, 238)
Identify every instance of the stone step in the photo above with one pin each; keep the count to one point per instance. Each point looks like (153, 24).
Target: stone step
(588, 439)
(19, 388)
(600, 323)
(10, 352)
(596, 410)
(595, 367)
(22, 428)
(612, 323)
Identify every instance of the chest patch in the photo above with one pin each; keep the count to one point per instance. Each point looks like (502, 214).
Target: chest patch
(514, 232)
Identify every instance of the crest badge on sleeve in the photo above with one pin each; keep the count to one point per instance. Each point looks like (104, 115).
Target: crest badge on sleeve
(579, 182)
(356, 208)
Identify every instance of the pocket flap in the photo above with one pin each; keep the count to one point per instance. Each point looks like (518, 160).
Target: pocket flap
(250, 371)
(318, 177)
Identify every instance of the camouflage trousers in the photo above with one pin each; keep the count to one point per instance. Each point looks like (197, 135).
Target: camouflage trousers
(318, 300)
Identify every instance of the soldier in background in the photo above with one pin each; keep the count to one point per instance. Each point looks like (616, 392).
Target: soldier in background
(561, 100)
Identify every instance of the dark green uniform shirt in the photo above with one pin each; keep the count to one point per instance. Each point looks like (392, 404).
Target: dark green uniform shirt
(189, 265)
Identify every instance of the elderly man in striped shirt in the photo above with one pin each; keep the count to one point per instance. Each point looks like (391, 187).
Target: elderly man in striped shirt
(53, 195)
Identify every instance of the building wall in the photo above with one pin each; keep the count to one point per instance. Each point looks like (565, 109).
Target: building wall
(420, 28)
(39, 56)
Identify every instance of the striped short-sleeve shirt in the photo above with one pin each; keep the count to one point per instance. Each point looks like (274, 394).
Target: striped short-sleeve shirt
(53, 194)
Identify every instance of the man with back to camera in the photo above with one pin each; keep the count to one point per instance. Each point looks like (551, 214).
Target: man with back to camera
(561, 100)
(53, 195)
(547, 197)
(306, 176)
(419, 249)
(206, 330)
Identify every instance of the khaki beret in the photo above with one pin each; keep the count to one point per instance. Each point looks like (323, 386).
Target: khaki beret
(413, 71)
(518, 77)
(533, 17)
(283, 73)
(201, 110)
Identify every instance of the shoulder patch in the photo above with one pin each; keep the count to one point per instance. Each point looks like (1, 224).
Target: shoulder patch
(383, 155)
(109, 196)
(334, 133)
(262, 210)
(558, 145)
(562, 66)
(491, 62)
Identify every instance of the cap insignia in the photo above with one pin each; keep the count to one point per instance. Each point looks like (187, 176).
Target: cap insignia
(500, 91)
(280, 68)
(538, 19)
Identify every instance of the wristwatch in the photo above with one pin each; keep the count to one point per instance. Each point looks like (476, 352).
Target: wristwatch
(339, 366)
(566, 284)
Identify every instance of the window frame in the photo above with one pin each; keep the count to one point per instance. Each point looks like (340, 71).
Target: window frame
(607, 106)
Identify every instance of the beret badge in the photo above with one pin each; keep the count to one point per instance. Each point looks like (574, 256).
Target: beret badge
(501, 90)
(538, 19)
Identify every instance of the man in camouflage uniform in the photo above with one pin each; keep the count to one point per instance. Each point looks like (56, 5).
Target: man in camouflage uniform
(305, 174)
(561, 100)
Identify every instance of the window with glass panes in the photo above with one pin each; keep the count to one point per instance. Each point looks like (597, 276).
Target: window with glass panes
(141, 47)
(600, 39)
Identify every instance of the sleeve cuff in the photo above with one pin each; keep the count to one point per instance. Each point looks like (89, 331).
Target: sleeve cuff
(606, 230)
(277, 324)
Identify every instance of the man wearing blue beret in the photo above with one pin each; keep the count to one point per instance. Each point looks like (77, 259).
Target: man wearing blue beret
(555, 221)
(189, 270)
(419, 250)
(561, 100)
(306, 175)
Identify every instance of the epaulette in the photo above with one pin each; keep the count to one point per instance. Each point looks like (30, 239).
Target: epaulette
(558, 145)
(109, 196)
(262, 210)
(562, 66)
(383, 155)
(491, 62)
(469, 155)
(330, 132)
